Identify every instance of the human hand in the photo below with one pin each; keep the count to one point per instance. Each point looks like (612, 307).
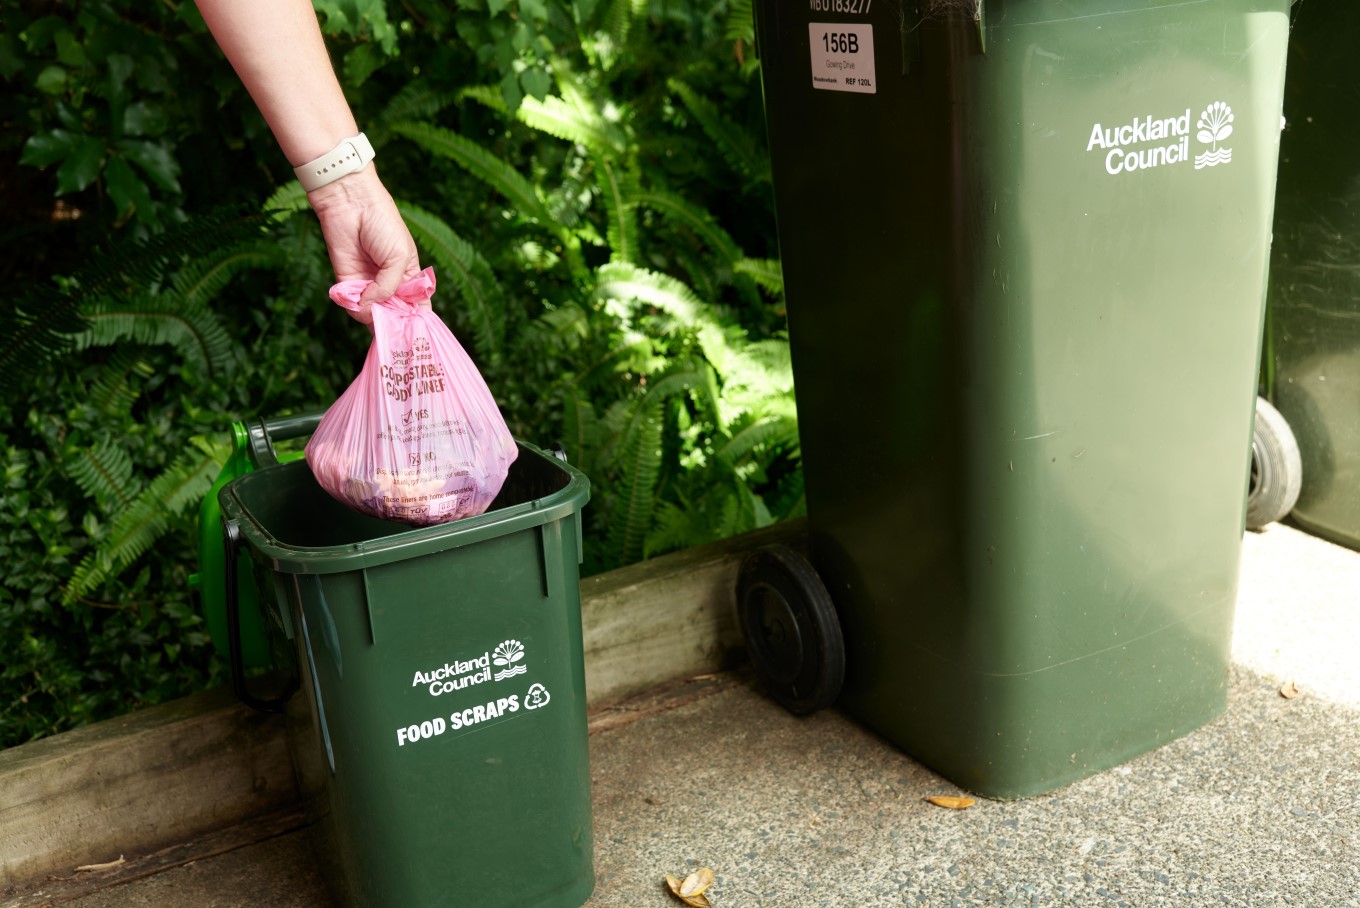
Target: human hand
(365, 236)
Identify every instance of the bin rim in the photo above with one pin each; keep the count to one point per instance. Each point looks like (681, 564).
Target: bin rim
(413, 542)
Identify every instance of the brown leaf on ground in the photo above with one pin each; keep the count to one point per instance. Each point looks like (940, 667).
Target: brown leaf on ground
(1290, 690)
(691, 890)
(952, 803)
(696, 882)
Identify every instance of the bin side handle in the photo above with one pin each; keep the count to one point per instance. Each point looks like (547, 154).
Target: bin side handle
(232, 535)
(980, 18)
(264, 432)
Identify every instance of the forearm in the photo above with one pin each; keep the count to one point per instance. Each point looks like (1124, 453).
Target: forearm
(276, 48)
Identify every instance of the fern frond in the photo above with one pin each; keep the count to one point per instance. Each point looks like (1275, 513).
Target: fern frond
(677, 210)
(486, 95)
(623, 281)
(790, 498)
(131, 267)
(618, 19)
(688, 377)
(202, 279)
(579, 424)
(774, 431)
(104, 473)
(35, 330)
(741, 21)
(734, 143)
(618, 189)
(192, 329)
(570, 123)
(417, 100)
(481, 292)
(631, 516)
(145, 520)
(40, 325)
(617, 359)
(483, 165)
(111, 394)
(768, 273)
(286, 201)
(674, 528)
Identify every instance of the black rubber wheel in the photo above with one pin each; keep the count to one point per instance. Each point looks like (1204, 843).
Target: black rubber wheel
(792, 633)
(1276, 468)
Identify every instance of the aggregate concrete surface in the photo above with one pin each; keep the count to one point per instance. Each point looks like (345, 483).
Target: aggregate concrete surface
(1261, 807)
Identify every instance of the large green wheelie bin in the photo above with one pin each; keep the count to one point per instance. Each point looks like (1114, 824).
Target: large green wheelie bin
(439, 735)
(1025, 247)
(1312, 355)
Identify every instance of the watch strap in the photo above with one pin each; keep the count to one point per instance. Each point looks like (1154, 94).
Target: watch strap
(350, 156)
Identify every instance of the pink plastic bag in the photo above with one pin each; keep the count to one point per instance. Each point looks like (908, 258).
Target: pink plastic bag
(417, 437)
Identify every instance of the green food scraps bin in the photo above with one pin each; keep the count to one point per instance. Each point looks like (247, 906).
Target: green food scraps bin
(1313, 337)
(440, 733)
(1025, 246)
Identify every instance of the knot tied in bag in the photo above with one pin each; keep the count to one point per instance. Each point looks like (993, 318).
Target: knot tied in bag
(417, 436)
(412, 295)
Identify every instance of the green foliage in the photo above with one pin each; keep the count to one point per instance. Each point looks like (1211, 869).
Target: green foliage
(113, 436)
(588, 179)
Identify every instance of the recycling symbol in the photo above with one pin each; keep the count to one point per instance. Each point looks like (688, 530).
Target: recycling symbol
(536, 697)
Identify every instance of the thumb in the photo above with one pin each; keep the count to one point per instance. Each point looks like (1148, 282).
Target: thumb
(384, 285)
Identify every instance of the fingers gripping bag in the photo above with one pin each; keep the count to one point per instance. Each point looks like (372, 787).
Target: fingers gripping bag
(417, 437)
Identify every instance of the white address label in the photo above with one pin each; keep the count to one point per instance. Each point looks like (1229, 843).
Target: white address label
(842, 56)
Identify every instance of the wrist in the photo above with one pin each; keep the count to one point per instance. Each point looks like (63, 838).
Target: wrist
(359, 188)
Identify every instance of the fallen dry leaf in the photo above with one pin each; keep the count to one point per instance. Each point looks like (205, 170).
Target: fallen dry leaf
(696, 882)
(1290, 690)
(691, 890)
(951, 802)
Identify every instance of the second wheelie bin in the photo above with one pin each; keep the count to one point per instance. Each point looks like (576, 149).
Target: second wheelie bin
(1025, 247)
(1312, 354)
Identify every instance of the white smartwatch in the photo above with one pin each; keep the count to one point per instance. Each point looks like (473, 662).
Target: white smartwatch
(350, 156)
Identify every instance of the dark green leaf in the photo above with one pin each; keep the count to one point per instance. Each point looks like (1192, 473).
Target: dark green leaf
(52, 80)
(49, 148)
(69, 50)
(361, 62)
(155, 160)
(68, 116)
(142, 118)
(81, 167)
(40, 32)
(126, 189)
(536, 81)
(120, 68)
(510, 91)
(11, 56)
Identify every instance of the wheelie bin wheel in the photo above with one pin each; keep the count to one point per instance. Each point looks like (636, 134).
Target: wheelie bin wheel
(1276, 468)
(791, 629)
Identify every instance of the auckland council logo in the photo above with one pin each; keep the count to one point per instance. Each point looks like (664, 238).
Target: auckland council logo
(505, 656)
(1148, 141)
(1215, 125)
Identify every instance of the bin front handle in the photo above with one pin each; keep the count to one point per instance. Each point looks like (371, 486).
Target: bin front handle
(264, 432)
(231, 533)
